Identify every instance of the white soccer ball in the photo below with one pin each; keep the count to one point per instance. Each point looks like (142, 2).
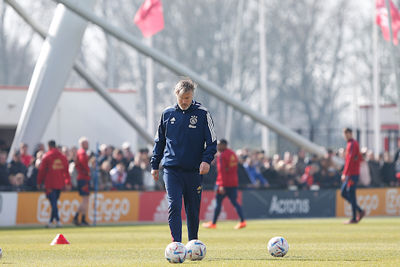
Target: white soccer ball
(278, 246)
(196, 250)
(175, 252)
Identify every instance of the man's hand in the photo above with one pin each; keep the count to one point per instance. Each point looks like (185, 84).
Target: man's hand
(68, 187)
(204, 168)
(343, 177)
(155, 174)
(39, 187)
(221, 190)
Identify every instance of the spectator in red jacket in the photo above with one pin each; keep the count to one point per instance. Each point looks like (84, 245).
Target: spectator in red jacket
(26, 158)
(227, 183)
(53, 171)
(351, 174)
(83, 170)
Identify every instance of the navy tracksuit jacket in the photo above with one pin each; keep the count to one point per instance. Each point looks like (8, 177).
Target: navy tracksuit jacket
(184, 139)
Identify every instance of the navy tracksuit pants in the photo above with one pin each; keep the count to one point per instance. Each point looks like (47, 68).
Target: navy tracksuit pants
(231, 193)
(53, 197)
(349, 193)
(180, 183)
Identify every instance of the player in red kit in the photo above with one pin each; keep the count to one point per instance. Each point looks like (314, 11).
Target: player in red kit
(350, 175)
(25, 157)
(227, 183)
(83, 170)
(53, 171)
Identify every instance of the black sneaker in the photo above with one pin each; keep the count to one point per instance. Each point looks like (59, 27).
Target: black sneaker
(76, 222)
(84, 223)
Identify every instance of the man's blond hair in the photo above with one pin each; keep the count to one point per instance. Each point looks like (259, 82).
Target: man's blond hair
(184, 86)
(82, 139)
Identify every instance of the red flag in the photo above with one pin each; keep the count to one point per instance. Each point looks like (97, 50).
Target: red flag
(149, 18)
(382, 19)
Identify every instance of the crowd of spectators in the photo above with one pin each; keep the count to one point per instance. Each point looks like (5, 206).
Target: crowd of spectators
(300, 171)
(122, 169)
(114, 168)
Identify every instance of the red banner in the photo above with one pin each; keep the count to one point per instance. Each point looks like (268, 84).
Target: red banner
(154, 207)
(149, 18)
(112, 207)
(382, 19)
(375, 202)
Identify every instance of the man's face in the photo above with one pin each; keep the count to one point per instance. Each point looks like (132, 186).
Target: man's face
(85, 145)
(108, 151)
(17, 157)
(24, 149)
(184, 100)
(3, 158)
(348, 136)
(221, 147)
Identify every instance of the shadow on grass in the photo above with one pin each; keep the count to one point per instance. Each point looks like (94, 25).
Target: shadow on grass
(289, 258)
(70, 226)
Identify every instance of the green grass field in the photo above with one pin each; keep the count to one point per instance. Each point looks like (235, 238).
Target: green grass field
(313, 242)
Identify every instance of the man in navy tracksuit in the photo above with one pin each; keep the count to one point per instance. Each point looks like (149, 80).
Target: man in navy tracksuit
(186, 144)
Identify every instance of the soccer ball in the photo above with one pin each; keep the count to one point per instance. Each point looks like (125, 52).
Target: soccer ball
(196, 250)
(175, 252)
(278, 246)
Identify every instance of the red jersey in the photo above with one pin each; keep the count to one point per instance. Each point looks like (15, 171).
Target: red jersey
(53, 170)
(82, 165)
(307, 177)
(26, 159)
(227, 162)
(353, 159)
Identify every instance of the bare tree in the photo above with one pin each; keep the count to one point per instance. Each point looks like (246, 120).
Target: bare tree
(311, 57)
(15, 54)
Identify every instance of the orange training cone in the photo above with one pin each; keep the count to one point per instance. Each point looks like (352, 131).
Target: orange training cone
(59, 240)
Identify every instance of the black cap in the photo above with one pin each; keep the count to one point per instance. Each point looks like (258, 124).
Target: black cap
(222, 141)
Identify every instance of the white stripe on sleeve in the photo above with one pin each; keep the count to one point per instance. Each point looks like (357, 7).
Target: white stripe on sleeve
(211, 127)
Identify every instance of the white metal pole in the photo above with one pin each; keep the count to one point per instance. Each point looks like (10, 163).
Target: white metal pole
(89, 78)
(355, 109)
(235, 80)
(376, 94)
(206, 85)
(110, 58)
(52, 69)
(150, 90)
(228, 125)
(263, 75)
(393, 58)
